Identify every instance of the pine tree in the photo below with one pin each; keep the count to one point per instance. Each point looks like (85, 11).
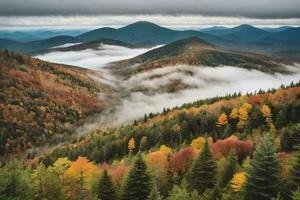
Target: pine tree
(203, 170)
(296, 195)
(154, 194)
(263, 176)
(230, 168)
(138, 184)
(294, 172)
(106, 188)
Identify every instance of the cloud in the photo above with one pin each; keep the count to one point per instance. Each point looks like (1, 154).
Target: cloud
(178, 21)
(205, 81)
(253, 8)
(91, 58)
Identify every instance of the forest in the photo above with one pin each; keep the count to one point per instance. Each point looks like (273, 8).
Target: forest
(238, 147)
(41, 102)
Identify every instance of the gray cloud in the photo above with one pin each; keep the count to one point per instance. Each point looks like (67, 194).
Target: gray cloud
(246, 8)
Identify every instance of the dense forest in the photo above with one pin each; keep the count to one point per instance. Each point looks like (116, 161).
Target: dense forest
(40, 102)
(238, 147)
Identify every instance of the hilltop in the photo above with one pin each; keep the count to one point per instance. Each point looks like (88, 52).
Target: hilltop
(197, 52)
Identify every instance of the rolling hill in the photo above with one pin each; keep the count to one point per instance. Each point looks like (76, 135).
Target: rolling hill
(42, 103)
(194, 51)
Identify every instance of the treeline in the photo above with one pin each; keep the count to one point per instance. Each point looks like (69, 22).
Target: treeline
(243, 116)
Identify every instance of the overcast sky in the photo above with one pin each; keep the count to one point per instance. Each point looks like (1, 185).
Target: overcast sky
(12, 12)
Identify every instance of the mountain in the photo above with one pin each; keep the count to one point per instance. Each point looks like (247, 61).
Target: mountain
(145, 34)
(213, 29)
(289, 34)
(43, 103)
(39, 34)
(38, 45)
(243, 32)
(274, 30)
(194, 51)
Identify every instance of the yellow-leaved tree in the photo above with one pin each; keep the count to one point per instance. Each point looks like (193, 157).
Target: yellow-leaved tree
(238, 181)
(199, 141)
(267, 114)
(244, 115)
(222, 120)
(165, 149)
(131, 144)
(79, 178)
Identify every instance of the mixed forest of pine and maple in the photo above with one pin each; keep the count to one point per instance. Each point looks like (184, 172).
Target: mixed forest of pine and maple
(237, 147)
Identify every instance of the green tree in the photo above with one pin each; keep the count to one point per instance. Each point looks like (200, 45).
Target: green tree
(15, 181)
(229, 169)
(106, 188)
(294, 172)
(155, 194)
(263, 176)
(296, 195)
(138, 183)
(203, 172)
(179, 192)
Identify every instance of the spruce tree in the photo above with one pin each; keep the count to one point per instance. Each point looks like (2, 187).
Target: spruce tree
(154, 194)
(295, 195)
(294, 172)
(138, 183)
(203, 172)
(106, 188)
(263, 176)
(230, 167)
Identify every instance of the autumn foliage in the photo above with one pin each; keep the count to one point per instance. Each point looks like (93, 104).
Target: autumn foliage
(223, 147)
(182, 160)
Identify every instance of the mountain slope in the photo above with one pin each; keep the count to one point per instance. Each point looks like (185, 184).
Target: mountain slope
(194, 51)
(41, 102)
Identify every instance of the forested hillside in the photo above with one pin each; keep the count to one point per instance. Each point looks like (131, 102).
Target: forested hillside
(41, 102)
(230, 148)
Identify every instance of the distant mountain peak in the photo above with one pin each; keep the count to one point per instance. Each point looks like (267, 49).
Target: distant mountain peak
(142, 25)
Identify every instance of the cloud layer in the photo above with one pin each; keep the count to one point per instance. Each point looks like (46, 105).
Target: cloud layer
(204, 82)
(246, 8)
(90, 58)
(182, 21)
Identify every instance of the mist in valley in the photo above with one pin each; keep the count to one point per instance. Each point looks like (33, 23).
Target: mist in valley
(166, 87)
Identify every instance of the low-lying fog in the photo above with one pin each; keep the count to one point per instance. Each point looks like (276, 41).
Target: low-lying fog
(143, 93)
(92, 58)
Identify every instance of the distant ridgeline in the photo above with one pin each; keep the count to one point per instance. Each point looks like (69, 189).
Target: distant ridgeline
(195, 119)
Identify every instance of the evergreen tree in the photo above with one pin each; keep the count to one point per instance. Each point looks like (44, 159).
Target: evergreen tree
(296, 195)
(15, 181)
(106, 188)
(294, 172)
(263, 176)
(154, 194)
(203, 170)
(230, 167)
(138, 183)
